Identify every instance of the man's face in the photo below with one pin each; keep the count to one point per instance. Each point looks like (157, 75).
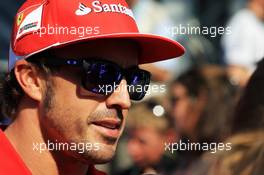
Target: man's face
(184, 109)
(146, 146)
(71, 114)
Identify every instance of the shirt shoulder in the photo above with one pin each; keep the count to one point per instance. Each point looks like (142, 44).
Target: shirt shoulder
(10, 162)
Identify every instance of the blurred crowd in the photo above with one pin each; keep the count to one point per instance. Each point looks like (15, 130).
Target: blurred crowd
(213, 93)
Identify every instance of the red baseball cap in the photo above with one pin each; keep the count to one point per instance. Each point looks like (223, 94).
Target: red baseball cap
(43, 24)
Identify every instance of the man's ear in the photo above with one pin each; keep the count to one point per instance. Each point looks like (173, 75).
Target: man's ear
(29, 79)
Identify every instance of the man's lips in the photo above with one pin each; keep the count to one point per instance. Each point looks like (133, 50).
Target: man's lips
(108, 127)
(110, 124)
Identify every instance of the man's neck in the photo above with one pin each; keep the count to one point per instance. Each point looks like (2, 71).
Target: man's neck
(24, 133)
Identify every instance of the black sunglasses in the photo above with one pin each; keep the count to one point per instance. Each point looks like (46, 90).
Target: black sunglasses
(103, 77)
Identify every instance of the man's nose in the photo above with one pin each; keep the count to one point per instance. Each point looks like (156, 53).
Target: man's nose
(120, 97)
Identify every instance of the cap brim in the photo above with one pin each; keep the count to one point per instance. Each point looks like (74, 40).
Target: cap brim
(153, 47)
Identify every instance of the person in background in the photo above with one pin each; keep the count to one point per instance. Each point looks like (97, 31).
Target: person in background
(243, 48)
(202, 102)
(247, 154)
(156, 17)
(148, 129)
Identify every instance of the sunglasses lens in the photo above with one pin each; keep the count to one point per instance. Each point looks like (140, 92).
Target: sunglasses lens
(138, 83)
(101, 77)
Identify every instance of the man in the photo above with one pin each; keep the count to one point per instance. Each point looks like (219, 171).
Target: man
(202, 101)
(68, 65)
(243, 48)
(247, 137)
(148, 129)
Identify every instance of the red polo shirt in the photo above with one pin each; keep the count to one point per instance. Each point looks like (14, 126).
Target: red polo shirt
(12, 164)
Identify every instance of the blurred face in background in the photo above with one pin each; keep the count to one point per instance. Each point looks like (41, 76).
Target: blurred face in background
(259, 2)
(131, 3)
(186, 110)
(257, 6)
(146, 146)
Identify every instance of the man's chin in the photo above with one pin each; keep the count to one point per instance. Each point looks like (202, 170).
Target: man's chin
(99, 158)
(102, 161)
(104, 155)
